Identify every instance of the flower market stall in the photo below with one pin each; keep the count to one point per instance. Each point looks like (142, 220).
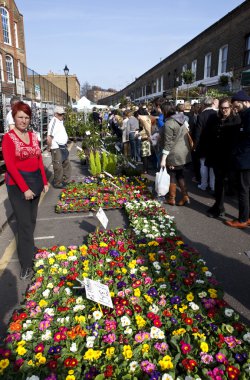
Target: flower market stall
(168, 320)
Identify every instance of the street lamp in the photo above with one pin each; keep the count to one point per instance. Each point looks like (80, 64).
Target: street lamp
(66, 72)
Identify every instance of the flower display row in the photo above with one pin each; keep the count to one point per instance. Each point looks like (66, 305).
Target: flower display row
(102, 192)
(168, 322)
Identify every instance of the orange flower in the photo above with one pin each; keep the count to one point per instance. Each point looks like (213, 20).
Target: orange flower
(15, 326)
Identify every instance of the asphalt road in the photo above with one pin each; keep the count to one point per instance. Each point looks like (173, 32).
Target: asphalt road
(222, 247)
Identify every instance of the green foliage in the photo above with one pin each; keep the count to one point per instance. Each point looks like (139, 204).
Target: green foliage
(111, 166)
(104, 161)
(98, 162)
(92, 166)
(188, 76)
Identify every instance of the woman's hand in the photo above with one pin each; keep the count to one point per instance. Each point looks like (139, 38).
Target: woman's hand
(46, 189)
(28, 195)
(163, 161)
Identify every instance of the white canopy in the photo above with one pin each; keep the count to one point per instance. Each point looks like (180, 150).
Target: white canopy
(85, 104)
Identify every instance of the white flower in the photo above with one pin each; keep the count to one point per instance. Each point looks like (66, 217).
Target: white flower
(154, 308)
(78, 307)
(128, 330)
(193, 306)
(199, 281)
(246, 337)
(90, 341)
(229, 312)
(202, 294)
(50, 285)
(49, 311)
(163, 286)
(27, 324)
(97, 315)
(125, 321)
(156, 333)
(79, 300)
(33, 377)
(88, 133)
(72, 258)
(73, 347)
(167, 377)
(132, 366)
(28, 335)
(39, 263)
(46, 293)
(208, 274)
(68, 291)
(46, 336)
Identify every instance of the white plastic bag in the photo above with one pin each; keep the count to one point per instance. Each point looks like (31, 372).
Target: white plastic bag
(162, 182)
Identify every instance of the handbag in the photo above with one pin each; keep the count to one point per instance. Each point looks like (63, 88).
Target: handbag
(34, 180)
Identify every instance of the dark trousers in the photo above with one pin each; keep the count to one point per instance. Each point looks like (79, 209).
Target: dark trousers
(26, 214)
(244, 193)
(220, 179)
(62, 169)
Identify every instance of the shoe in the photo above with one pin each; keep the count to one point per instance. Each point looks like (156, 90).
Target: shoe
(236, 223)
(184, 201)
(213, 213)
(25, 274)
(202, 188)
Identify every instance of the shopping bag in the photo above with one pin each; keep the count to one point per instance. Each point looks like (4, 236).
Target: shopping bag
(162, 182)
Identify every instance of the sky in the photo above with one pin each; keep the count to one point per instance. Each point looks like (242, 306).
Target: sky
(109, 43)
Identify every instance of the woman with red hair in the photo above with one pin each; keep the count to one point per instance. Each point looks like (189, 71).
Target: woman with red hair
(25, 180)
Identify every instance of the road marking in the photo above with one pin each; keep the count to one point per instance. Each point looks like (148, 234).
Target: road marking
(44, 237)
(8, 253)
(90, 215)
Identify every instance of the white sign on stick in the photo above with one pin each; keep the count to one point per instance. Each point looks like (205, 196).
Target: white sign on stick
(117, 148)
(108, 174)
(97, 292)
(130, 164)
(102, 217)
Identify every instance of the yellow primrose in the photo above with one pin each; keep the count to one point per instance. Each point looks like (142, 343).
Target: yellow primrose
(173, 257)
(61, 257)
(51, 260)
(4, 363)
(102, 244)
(92, 354)
(53, 270)
(80, 319)
(160, 279)
(31, 363)
(71, 372)
(132, 264)
(145, 348)
(38, 355)
(84, 274)
(179, 332)
(140, 321)
(183, 308)
(204, 347)
(70, 377)
(166, 364)
(127, 352)
(21, 350)
(142, 245)
(62, 248)
(204, 269)
(43, 303)
(153, 243)
(151, 256)
(70, 284)
(124, 270)
(199, 335)
(137, 292)
(21, 343)
(40, 271)
(110, 352)
(190, 297)
(179, 242)
(148, 298)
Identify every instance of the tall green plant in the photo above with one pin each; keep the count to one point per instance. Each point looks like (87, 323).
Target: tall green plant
(98, 162)
(92, 166)
(104, 161)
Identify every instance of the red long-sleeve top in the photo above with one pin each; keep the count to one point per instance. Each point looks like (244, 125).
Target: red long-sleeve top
(21, 156)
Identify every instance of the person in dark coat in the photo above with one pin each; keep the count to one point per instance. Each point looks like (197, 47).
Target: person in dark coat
(222, 135)
(200, 142)
(241, 161)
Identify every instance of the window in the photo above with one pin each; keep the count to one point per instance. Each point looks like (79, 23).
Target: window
(9, 68)
(1, 69)
(222, 66)
(5, 26)
(247, 51)
(16, 35)
(194, 68)
(19, 69)
(207, 66)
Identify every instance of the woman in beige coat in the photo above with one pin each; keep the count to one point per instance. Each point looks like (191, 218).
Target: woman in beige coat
(176, 152)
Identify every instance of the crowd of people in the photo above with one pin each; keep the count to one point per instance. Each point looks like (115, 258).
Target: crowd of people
(214, 136)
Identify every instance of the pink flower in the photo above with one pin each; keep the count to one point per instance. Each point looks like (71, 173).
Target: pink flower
(185, 347)
(110, 338)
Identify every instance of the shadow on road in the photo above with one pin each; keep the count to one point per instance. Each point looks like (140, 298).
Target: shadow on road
(8, 296)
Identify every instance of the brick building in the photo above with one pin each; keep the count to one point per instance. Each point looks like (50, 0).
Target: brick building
(221, 52)
(60, 82)
(97, 95)
(12, 47)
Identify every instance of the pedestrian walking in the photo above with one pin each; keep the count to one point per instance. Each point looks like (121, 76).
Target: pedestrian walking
(57, 139)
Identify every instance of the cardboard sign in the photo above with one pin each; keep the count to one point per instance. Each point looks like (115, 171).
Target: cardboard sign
(101, 216)
(108, 174)
(97, 292)
(79, 148)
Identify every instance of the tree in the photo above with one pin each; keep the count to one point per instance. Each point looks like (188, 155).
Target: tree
(188, 78)
(85, 88)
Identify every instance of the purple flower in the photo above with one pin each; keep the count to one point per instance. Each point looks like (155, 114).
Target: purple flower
(152, 292)
(147, 366)
(114, 253)
(155, 375)
(175, 300)
(121, 284)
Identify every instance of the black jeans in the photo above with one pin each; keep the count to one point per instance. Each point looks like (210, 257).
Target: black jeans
(25, 213)
(244, 189)
(220, 176)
